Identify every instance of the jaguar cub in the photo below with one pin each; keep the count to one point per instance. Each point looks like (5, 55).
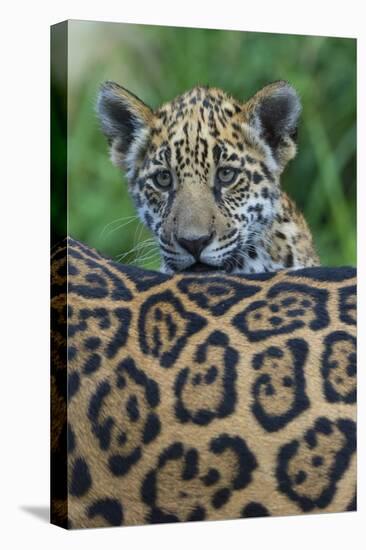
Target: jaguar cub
(204, 172)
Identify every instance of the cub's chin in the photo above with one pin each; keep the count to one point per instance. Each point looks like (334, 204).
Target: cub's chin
(200, 267)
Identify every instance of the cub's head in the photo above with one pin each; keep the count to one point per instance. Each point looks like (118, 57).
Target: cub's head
(204, 169)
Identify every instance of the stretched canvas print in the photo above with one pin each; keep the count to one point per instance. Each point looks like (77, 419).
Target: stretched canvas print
(203, 288)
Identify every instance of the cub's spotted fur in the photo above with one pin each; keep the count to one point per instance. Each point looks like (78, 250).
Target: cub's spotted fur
(204, 171)
(189, 397)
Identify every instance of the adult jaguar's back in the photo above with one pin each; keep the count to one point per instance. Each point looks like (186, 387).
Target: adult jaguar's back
(191, 397)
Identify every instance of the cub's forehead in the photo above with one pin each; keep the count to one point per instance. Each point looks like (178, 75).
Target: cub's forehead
(201, 98)
(200, 112)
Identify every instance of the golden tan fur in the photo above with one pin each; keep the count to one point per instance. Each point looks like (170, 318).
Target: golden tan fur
(227, 335)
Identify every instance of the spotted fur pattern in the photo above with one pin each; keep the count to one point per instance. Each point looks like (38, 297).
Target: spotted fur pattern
(192, 397)
(204, 172)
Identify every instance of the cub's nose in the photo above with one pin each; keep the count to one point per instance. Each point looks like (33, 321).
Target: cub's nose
(195, 246)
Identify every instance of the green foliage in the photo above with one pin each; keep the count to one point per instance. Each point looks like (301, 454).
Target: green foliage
(158, 63)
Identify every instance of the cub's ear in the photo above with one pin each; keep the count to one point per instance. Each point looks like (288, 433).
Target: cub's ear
(125, 121)
(274, 113)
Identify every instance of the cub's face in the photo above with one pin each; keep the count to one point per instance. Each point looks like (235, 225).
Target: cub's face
(204, 169)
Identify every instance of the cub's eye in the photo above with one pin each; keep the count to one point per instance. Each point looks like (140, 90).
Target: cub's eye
(163, 179)
(226, 175)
